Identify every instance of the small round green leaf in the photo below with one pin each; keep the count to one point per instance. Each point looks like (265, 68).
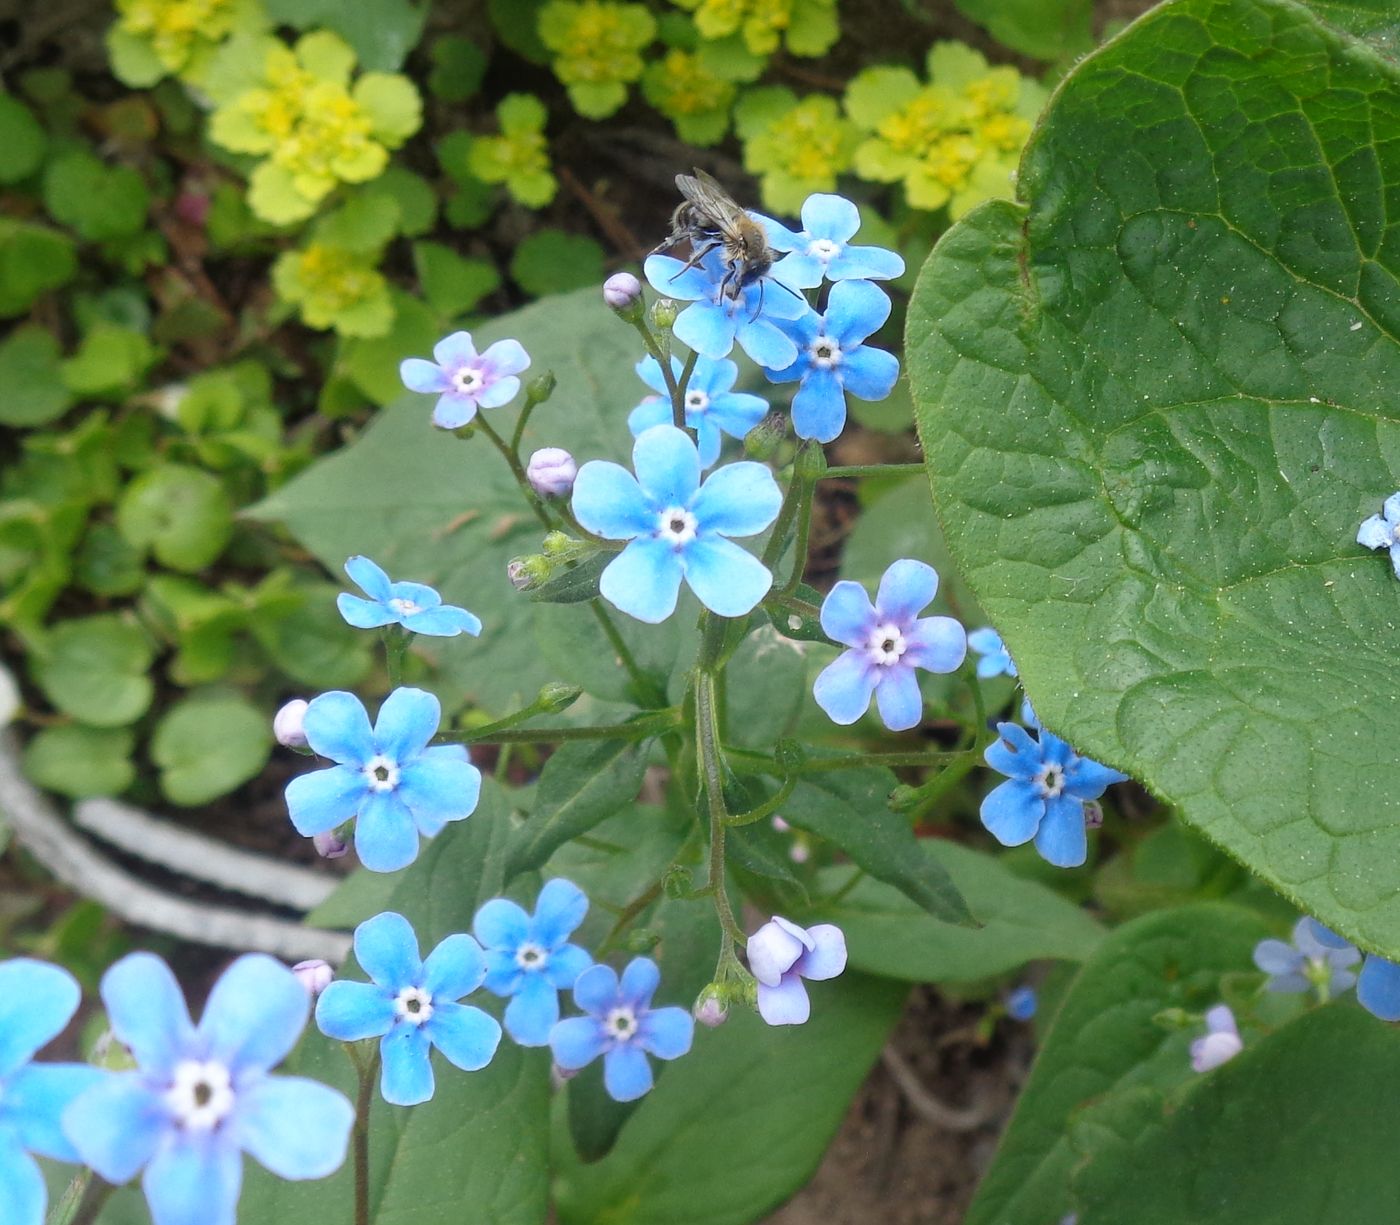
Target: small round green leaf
(206, 745)
(182, 514)
(22, 141)
(94, 669)
(33, 260)
(551, 261)
(31, 392)
(107, 564)
(81, 761)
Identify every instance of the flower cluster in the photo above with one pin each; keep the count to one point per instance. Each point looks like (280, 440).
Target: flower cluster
(154, 38)
(794, 145)
(335, 287)
(696, 100)
(596, 45)
(806, 27)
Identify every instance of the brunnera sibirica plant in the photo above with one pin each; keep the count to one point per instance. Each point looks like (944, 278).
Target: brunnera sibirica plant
(1152, 393)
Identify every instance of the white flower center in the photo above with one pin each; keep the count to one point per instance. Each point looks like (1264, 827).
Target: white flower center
(413, 1005)
(621, 1024)
(826, 353)
(382, 773)
(531, 957)
(405, 608)
(696, 401)
(677, 525)
(467, 380)
(1051, 781)
(200, 1095)
(886, 645)
(824, 249)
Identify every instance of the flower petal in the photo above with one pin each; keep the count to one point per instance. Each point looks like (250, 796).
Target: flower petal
(255, 1014)
(35, 1098)
(350, 1011)
(323, 799)
(445, 621)
(670, 276)
(147, 1012)
(337, 727)
(854, 310)
(847, 614)
(1016, 754)
(566, 963)
(897, 696)
(830, 216)
(906, 589)
(194, 1180)
(456, 968)
(499, 392)
(407, 1076)
(297, 1128)
(706, 328)
(424, 376)
(1391, 509)
(666, 1032)
(772, 951)
(505, 357)
(649, 371)
(454, 410)
(118, 1125)
(1375, 533)
(1276, 957)
(369, 578)
(786, 1003)
(439, 786)
(386, 835)
(1378, 988)
(533, 1011)
(654, 410)
(576, 1042)
(936, 644)
(37, 1000)
(639, 982)
(467, 1036)
(780, 238)
(608, 501)
(1062, 838)
(1012, 812)
(407, 720)
(740, 499)
(501, 924)
(455, 350)
(503, 973)
(643, 580)
(819, 407)
(763, 340)
(596, 989)
(868, 373)
(627, 1073)
(387, 949)
(24, 1199)
(363, 614)
(559, 910)
(827, 956)
(844, 687)
(737, 412)
(865, 264)
(1088, 779)
(667, 466)
(726, 578)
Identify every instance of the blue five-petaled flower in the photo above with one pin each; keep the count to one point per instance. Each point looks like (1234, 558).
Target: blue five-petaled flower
(388, 778)
(712, 407)
(993, 657)
(465, 380)
(832, 359)
(886, 642)
(1044, 795)
(201, 1096)
(677, 527)
(529, 958)
(418, 608)
(37, 1001)
(1383, 531)
(1312, 962)
(622, 1026)
(781, 955)
(822, 247)
(411, 1006)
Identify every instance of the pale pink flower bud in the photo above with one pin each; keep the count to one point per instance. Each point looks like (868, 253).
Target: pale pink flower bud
(621, 290)
(314, 975)
(330, 845)
(551, 472)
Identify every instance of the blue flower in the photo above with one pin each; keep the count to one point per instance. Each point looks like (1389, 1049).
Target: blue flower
(411, 1006)
(1220, 1043)
(622, 1026)
(417, 608)
(36, 1002)
(1378, 988)
(781, 955)
(714, 320)
(821, 248)
(1044, 795)
(887, 642)
(1383, 531)
(995, 660)
(711, 407)
(528, 957)
(465, 380)
(389, 779)
(1022, 1003)
(678, 527)
(1308, 963)
(201, 1096)
(832, 360)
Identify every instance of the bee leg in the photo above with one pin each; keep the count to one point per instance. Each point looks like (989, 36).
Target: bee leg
(696, 257)
(759, 310)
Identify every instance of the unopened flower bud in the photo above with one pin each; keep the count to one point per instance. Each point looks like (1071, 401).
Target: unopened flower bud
(811, 463)
(623, 292)
(330, 845)
(557, 544)
(551, 472)
(676, 882)
(799, 852)
(643, 940)
(1093, 814)
(664, 312)
(314, 975)
(780, 825)
(761, 442)
(287, 724)
(710, 1009)
(527, 573)
(903, 798)
(557, 696)
(541, 387)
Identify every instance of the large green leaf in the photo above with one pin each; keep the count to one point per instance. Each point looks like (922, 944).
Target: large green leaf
(1157, 400)
(1021, 920)
(1286, 1131)
(1102, 1040)
(434, 509)
(740, 1123)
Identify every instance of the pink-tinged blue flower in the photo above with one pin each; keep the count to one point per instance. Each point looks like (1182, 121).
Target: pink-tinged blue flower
(821, 249)
(416, 607)
(994, 659)
(832, 359)
(622, 1027)
(712, 407)
(1021, 1004)
(1383, 531)
(465, 380)
(388, 779)
(678, 528)
(886, 642)
(714, 321)
(37, 1001)
(1044, 796)
(1308, 964)
(1220, 1043)
(781, 955)
(1378, 988)
(411, 1005)
(202, 1096)
(529, 958)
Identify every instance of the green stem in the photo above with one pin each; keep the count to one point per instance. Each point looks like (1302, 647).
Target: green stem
(637, 729)
(943, 782)
(791, 499)
(516, 468)
(658, 352)
(367, 1069)
(791, 603)
(94, 1196)
(758, 763)
(540, 706)
(872, 470)
(396, 640)
(520, 421)
(767, 808)
(804, 528)
(628, 913)
(648, 692)
(979, 704)
(712, 764)
(852, 881)
(678, 391)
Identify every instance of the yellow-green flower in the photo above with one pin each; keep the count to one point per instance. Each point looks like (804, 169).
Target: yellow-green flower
(954, 141)
(596, 47)
(692, 97)
(312, 127)
(519, 156)
(155, 38)
(808, 27)
(334, 287)
(796, 147)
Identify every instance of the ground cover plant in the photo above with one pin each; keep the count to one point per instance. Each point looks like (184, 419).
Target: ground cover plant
(960, 557)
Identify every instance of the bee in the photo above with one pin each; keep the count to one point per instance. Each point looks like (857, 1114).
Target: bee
(710, 219)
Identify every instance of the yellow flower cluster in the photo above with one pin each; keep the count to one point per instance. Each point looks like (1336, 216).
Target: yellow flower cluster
(335, 288)
(152, 39)
(597, 50)
(954, 141)
(312, 127)
(808, 26)
(697, 101)
(795, 146)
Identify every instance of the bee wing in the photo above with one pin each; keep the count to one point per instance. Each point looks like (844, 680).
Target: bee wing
(709, 198)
